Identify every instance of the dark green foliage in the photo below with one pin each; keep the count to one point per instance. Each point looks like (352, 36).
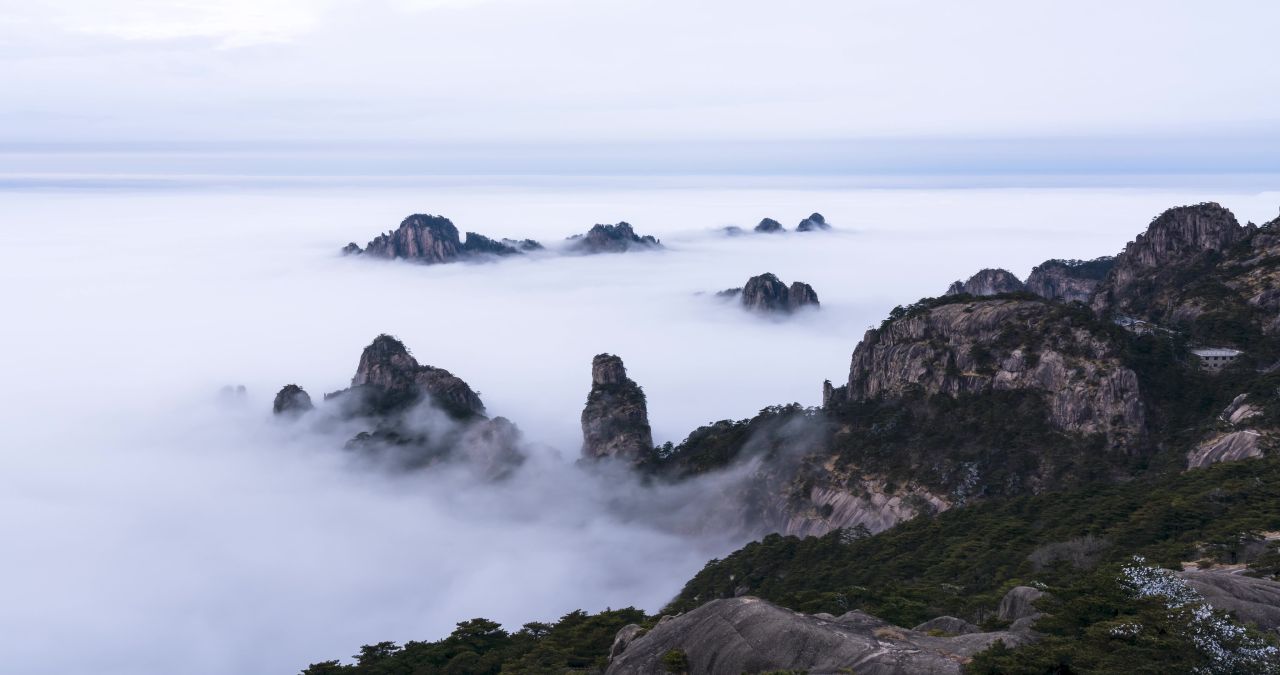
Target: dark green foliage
(1095, 625)
(961, 561)
(926, 304)
(718, 445)
(675, 661)
(976, 445)
(578, 641)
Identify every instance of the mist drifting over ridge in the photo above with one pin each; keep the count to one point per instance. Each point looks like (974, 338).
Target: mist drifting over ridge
(151, 524)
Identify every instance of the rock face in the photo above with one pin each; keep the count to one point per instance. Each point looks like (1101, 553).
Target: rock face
(813, 223)
(987, 345)
(770, 226)
(1251, 600)
(1178, 238)
(291, 400)
(1068, 280)
(420, 237)
(389, 379)
(615, 422)
(767, 293)
(434, 239)
(618, 238)
(749, 635)
(1226, 447)
(988, 282)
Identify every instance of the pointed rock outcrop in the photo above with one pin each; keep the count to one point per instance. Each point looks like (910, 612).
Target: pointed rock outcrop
(1145, 274)
(767, 293)
(618, 238)
(988, 282)
(813, 223)
(291, 400)
(389, 379)
(615, 422)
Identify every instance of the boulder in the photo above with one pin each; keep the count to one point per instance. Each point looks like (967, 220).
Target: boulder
(949, 625)
(615, 422)
(1019, 603)
(749, 635)
(1251, 600)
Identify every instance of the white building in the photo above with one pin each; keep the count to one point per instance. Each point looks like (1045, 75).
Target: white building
(1214, 359)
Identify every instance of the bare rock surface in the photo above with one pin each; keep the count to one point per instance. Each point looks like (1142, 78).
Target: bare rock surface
(1019, 603)
(618, 238)
(1226, 447)
(949, 625)
(1068, 280)
(1250, 599)
(388, 379)
(433, 240)
(1177, 238)
(615, 422)
(988, 282)
(769, 294)
(749, 635)
(1003, 344)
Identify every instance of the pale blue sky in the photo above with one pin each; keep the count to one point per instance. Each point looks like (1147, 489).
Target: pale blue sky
(1170, 84)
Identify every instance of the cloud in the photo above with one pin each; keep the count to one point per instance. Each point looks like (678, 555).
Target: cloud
(559, 70)
(150, 529)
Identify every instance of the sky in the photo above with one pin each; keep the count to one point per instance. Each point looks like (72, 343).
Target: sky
(176, 179)
(1014, 77)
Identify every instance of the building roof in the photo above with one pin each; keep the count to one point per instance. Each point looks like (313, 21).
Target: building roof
(1215, 351)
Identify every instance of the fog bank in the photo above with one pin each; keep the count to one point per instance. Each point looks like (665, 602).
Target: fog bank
(154, 528)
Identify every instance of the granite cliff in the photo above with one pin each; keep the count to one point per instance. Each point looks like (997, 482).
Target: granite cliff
(615, 421)
(1068, 280)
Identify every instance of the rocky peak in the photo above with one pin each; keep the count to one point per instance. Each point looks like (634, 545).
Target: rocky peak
(813, 222)
(1069, 280)
(420, 237)
(767, 293)
(1177, 238)
(615, 422)
(988, 282)
(611, 239)
(986, 345)
(388, 378)
(770, 226)
(607, 369)
(291, 400)
(434, 239)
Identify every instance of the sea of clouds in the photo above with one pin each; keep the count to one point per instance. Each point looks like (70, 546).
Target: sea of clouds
(151, 525)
